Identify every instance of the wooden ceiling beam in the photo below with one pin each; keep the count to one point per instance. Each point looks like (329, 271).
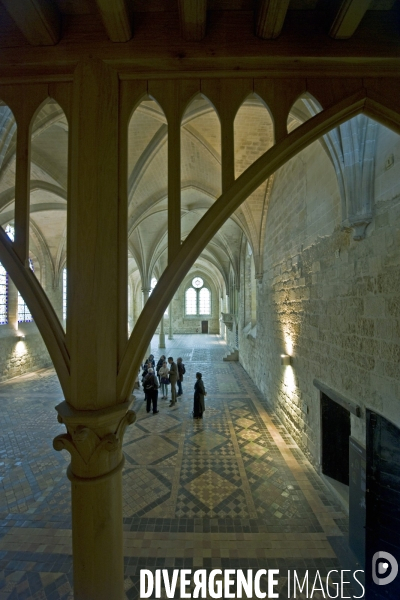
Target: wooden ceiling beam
(270, 18)
(193, 16)
(38, 20)
(117, 17)
(348, 17)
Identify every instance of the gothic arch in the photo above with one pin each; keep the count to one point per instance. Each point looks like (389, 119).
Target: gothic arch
(229, 201)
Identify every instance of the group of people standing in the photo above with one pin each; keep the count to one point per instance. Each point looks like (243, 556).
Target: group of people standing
(168, 373)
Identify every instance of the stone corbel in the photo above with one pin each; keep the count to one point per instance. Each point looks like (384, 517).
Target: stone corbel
(358, 227)
(228, 320)
(94, 438)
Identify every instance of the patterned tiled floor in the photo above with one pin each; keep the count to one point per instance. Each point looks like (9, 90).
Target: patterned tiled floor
(229, 491)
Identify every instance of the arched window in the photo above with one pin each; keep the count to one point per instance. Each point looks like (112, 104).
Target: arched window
(197, 298)
(204, 301)
(153, 284)
(191, 301)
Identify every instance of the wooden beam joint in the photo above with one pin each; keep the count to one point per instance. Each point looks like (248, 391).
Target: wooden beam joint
(270, 18)
(117, 17)
(38, 20)
(348, 18)
(193, 16)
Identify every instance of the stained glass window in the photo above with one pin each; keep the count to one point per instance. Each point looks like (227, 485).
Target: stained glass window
(64, 293)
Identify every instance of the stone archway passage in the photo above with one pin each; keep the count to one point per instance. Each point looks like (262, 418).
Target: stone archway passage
(230, 491)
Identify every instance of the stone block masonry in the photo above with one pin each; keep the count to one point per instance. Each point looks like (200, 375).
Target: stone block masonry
(330, 302)
(20, 357)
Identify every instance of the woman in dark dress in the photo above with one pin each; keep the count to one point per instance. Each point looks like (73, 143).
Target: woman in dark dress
(198, 400)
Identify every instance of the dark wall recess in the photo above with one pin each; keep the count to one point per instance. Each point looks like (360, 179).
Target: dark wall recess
(335, 421)
(382, 507)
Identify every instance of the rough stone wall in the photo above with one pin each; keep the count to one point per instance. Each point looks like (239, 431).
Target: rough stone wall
(329, 301)
(19, 357)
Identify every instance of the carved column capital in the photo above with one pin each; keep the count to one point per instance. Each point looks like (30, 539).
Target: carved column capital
(94, 438)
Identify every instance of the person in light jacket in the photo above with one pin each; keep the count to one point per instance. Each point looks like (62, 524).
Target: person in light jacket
(163, 376)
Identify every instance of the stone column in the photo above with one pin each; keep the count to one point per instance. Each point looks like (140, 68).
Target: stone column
(171, 333)
(161, 342)
(94, 440)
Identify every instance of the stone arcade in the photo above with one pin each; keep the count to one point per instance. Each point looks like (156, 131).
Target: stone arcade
(235, 168)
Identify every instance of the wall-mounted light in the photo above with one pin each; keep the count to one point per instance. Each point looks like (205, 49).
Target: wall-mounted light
(286, 360)
(20, 337)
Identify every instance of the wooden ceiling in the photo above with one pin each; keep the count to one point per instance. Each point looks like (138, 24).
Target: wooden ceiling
(47, 22)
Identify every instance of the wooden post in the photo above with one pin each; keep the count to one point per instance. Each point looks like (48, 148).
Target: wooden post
(95, 422)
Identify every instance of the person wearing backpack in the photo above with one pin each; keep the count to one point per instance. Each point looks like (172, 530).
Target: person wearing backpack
(181, 372)
(150, 386)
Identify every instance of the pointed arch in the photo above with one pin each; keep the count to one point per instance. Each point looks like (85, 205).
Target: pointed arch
(201, 142)
(8, 130)
(147, 151)
(8, 136)
(253, 132)
(227, 203)
(304, 107)
(49, 162)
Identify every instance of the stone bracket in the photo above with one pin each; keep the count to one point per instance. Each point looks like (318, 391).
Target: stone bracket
(228, 320)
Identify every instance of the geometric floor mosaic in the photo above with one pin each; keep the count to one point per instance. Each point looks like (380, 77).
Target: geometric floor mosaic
(229, 491)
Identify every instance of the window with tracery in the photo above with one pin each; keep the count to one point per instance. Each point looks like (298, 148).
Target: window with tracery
(197, 298)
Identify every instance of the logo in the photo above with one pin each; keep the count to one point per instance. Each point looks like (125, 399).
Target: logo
(384, 564)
